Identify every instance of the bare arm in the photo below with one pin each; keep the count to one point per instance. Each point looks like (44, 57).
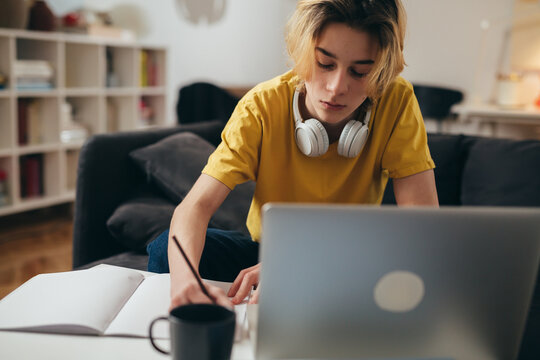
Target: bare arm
(416, 190)
(189, 223)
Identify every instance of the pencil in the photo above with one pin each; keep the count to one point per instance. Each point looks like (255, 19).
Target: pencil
(201, 284)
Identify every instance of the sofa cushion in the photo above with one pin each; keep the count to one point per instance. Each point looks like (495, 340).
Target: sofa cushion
(176, 162)
(140, 220)
(446, 151)
(502, 172)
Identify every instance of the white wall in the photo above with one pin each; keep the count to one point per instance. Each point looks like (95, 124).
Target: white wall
(444, 43)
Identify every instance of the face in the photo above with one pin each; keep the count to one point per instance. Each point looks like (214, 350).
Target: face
(337, 87)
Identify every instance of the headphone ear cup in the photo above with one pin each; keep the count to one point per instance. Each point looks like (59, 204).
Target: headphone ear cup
(311, 138)
(352, 139)
(320, 134)
(343, 137)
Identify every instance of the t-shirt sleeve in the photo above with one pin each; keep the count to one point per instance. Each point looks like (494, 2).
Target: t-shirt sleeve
(236, 159)
(407, 151)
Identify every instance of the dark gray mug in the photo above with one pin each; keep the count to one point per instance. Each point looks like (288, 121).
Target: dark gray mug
(199, 331)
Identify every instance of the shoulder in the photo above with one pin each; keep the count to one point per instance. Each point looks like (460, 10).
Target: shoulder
(275, 93)
(399, 88)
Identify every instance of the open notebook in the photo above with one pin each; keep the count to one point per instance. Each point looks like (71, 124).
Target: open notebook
(103, 300)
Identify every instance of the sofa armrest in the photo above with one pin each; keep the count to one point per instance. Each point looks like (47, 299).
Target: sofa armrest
(106, 177)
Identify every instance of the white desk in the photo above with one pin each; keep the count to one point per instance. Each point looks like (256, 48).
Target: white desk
(492, 116)
(26, 346)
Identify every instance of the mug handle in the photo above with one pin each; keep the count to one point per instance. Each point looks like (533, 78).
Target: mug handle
(152, 338)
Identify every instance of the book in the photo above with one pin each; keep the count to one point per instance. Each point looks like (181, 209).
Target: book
(31, 175)
(144, 69)
(35, 86)
(33, 75)
(40, 69)
(104, 300)
(149, 69)
(33, 114)
(22, 121)
(33, 171)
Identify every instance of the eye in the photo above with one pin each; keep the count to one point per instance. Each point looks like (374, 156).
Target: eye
(325, 66)
(357, 74)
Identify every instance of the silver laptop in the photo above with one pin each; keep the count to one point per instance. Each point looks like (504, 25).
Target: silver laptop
(362, 282)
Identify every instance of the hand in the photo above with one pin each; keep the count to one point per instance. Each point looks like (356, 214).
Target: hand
(245, 281)
(191, 293)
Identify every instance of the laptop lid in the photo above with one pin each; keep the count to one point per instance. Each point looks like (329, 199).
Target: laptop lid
(361, 282)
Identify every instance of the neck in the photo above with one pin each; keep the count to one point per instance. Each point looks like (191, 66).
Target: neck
(334, 130)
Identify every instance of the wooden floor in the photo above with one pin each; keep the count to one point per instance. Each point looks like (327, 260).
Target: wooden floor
(32, 243)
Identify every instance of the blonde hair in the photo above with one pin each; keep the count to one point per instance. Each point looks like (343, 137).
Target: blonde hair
(383, 19)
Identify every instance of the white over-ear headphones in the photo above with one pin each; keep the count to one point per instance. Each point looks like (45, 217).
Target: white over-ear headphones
(312, 139)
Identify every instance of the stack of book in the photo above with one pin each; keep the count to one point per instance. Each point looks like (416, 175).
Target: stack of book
(33, 74)
(29, 122)
(31, 175)
(148, 69)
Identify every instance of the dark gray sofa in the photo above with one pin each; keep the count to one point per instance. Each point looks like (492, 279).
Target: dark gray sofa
(471, 171)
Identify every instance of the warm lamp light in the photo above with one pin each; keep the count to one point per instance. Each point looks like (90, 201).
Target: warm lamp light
(525, 50)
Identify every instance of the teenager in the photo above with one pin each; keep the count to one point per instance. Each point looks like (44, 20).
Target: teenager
(333, 129)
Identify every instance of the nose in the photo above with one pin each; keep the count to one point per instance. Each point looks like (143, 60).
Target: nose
(337, 82)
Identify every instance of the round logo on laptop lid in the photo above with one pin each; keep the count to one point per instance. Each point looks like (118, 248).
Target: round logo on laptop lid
(399, 291)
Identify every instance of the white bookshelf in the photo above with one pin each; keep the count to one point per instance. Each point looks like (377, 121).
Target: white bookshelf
(101, 103)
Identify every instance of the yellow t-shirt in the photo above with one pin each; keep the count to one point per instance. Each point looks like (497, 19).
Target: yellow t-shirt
(258, 144)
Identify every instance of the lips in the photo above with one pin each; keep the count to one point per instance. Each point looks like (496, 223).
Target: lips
(328, 105)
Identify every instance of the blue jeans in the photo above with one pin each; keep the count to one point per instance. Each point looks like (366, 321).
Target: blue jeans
(225, 254)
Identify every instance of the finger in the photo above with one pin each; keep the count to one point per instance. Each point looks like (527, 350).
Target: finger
(255, 296)
(249, 280)
(220, 297)
(236, 283)
(199, 298)
(177, 300)
(195, 295)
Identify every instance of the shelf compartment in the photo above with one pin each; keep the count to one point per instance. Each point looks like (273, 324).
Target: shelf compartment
(6, 188)
(85, 112)
(28, 49)
(151, 111)
(81, 66)
(6, 126)
(151, 68)
(120, 67)
(37, 121)
(121, 113)
(38, 175)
